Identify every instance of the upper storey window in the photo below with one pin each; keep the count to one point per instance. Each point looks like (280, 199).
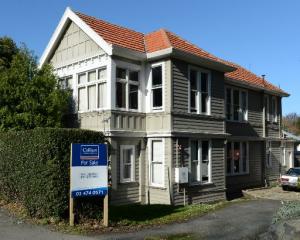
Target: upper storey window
(91, 90)
(271, 108)
(157, 87)
(199, 91)
(236, 104)
(127, 88)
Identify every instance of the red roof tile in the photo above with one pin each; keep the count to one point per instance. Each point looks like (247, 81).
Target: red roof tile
(115, 34)
(244, 75)
(163, 39)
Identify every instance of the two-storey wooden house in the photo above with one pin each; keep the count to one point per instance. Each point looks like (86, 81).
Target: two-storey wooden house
(164, 103)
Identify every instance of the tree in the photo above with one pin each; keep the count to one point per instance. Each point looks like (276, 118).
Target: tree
(29, 96)
(8, 49)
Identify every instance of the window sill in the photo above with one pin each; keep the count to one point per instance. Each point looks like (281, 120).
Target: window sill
(197, 184)
(237, 121)
(124, 182)
(158, 187)
(237, 174)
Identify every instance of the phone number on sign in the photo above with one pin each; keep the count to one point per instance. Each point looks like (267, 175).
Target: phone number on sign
(90, 193)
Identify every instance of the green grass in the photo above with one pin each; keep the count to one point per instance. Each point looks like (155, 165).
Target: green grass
(129, 215)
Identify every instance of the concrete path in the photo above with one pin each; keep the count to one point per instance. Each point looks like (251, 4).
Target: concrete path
(244, 220)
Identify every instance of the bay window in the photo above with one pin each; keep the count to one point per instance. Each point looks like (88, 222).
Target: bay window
(200, 161)
(157, 87)
(91, 92)
(127, 88)
(237, 158)
(127, 160)
(199, 91)
(236, 104)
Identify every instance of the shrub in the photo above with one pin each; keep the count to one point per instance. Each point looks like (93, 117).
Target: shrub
(288, 210)
(35, 166)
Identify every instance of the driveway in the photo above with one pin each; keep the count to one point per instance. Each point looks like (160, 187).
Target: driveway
(275, 193)
(243, 220)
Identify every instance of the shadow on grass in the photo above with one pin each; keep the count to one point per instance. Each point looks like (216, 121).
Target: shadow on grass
(141, 213)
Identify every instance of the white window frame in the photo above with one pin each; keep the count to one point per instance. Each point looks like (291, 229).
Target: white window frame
(268, 154)
(150, 144)
(132, 165)
(240, 112)
(198, 95)
(87, 84)
(199, 152)
(157, 109)
(128, 82)
(241, 172)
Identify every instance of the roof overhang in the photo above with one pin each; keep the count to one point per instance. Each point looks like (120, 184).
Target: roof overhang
(67, 17)
(254, 87)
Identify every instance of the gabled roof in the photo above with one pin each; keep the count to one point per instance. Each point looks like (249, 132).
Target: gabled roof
(108, 35)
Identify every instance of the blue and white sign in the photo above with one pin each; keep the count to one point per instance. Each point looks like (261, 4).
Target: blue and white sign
(89, 170)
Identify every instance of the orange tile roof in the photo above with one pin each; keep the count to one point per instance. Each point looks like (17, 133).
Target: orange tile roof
(163, 39)
(115, 34)
(243, 75)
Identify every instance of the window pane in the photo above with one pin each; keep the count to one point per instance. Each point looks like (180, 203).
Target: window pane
(157, 76)
(102, 74)
(205, 161)
(236, 104)
(101, 95)
(236, 157)
(81, 78)
(134, 76)
(244, 106)
(193, 101)
(121, 94)
(157, 168)
(62, 83)
(228, 103)
(195, 174)
(245, 154)
(204, 101)
(69, 82)
(157, 97)
(193, 79)
(127, 163)
(92, 76)
(204, 82)
(133, 96)
(81, 99)
(92, 97)
(228, 157)
(121, 73)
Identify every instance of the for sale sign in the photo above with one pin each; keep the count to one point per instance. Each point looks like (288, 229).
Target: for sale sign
(89, 170)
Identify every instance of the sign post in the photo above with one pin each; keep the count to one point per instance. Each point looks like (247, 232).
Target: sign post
(88, 173)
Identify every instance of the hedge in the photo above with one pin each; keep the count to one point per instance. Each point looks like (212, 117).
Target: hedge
(35, 165)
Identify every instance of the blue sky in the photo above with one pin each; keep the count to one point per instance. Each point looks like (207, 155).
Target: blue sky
(261, 35)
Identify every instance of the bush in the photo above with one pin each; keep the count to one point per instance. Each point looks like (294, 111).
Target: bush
(288, 210)
(35, 166)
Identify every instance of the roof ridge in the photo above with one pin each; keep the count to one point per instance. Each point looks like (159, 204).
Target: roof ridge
(166, 37)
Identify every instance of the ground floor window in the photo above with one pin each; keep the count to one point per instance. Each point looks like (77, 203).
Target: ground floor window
(127, 159)
(200, 161)
(268, 154)
(157, 163)
(237, 158)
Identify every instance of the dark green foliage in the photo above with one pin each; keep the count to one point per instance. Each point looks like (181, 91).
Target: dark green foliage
(29, 96)
(35, 165)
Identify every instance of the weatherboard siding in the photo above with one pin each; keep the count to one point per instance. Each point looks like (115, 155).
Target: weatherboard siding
(75, 45)
(196, 194)
(252, 179)
(184, 121)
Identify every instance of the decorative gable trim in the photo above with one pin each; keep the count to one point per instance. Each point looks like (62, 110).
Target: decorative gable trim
(68, 16)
